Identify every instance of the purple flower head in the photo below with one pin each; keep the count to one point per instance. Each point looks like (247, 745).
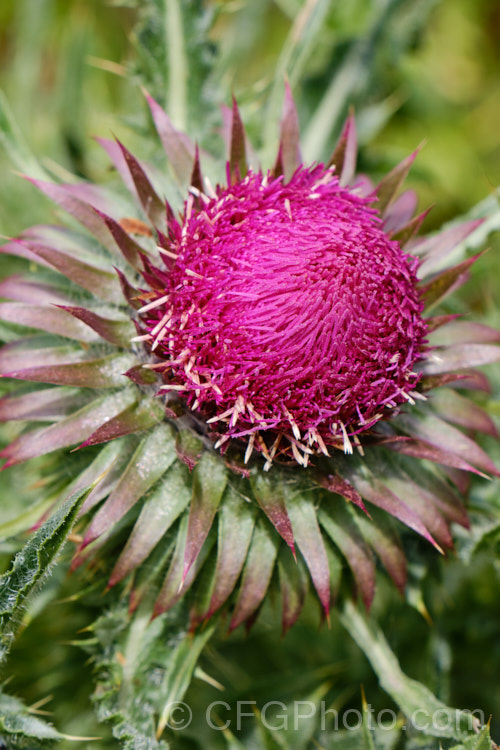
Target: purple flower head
(289, 318)
(279, 314)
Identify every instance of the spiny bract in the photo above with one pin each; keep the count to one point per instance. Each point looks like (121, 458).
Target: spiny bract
(277, 318)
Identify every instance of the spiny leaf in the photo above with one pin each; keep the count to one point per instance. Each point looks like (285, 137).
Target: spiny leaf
(19, 354)
(103, 472)
(268, 491)
(176, 584)
(152, 458)
(421, 503)
(118, 332)
(289, 149)
(340, 525)
(236, 523)
(444, 283)
(128, 292)
(384, 540)
(377, 493)
(400, 212)
(340, 486)
(20, 728)
(463, 332)
(129, 247)
(387, 189)
(114, 152)
(45, 318)
(81, 210)
(68, 431)
(423, 449)
(32, 291)
(106, 372)
(430, 428)
(209, 481)
(196, 180)
(31, 564)
(160, 510)
(178, 147)
(293, 585)
(440, 494)
(47, 405)
(344, 155)
(336, 565)
(307, 533)
(257, 572)
(434, 250)
(153, 206)
(134, 418)
(129, 656)
(237, 154)
(481, 742)
(405, 234)
(102, 283)
(147, 576)
(188, 448)
(455, 408)
(460, 357)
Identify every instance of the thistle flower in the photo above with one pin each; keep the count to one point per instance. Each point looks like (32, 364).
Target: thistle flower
(288, 312)
(263, 362)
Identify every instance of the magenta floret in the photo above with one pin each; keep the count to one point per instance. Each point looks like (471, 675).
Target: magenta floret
(288, 313)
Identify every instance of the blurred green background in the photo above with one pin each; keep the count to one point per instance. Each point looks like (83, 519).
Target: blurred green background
(430, 71)
(63, 65)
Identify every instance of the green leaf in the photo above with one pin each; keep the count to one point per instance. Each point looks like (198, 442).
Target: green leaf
(19, 728)
(180, 671)
(31, 564)
(128, 655)
(426, 712)
(481, 742)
